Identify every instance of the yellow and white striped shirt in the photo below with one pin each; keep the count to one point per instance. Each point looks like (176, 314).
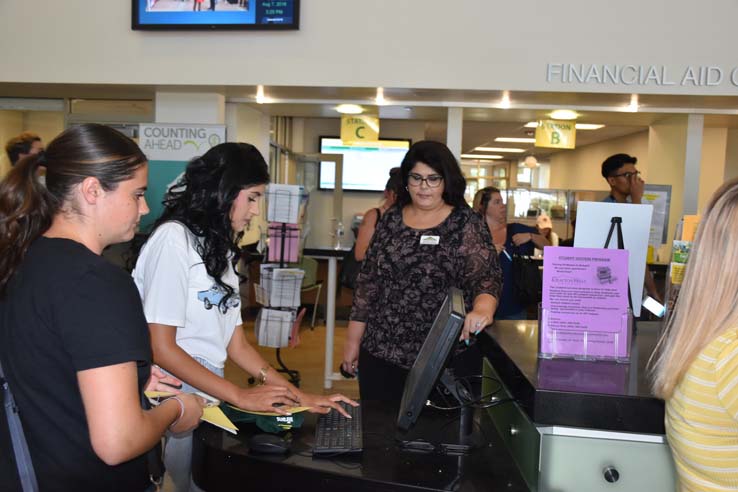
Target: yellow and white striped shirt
(702, 419)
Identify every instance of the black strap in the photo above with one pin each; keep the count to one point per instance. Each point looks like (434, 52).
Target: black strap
(22, 455)
(154, 456)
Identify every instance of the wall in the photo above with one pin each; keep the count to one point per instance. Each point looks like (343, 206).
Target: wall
(354, 43)
(320, 208)
(580, 169)
(712, 163)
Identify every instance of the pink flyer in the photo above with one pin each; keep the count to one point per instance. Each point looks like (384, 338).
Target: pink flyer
(585, 303)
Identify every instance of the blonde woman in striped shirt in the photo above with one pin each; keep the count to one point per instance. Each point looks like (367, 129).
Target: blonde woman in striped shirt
(695, 366)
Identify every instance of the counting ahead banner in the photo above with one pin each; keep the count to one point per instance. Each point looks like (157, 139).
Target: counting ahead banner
(178, 142)
(169, 148)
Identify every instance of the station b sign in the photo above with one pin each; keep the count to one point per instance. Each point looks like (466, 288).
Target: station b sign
(556, 134)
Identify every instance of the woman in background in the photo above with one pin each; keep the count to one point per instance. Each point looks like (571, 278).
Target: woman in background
(509, 239)
(695, 365)
(186, 277)
(372, 216)
(430, 241)
(74, 342)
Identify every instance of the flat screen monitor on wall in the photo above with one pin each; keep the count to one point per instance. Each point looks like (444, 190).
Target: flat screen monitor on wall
(164, 15)
(366, 166)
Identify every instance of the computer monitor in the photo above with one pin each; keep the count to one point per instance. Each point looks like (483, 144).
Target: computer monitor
(434, 353)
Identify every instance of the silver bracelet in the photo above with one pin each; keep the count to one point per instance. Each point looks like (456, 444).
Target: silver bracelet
(181, 410)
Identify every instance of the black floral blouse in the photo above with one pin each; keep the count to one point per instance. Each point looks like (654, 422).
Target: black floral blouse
(403, 283)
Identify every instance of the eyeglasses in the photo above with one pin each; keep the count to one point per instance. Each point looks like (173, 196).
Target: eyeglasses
(627, 175)
(433, 181)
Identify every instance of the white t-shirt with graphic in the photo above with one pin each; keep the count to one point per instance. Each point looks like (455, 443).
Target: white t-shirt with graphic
(176, 290)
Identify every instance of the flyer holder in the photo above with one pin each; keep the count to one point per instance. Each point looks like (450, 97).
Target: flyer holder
(598, 335)
(588, 344)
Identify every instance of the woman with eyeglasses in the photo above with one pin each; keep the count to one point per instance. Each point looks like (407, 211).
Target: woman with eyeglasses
(509, 239)
(428, 242)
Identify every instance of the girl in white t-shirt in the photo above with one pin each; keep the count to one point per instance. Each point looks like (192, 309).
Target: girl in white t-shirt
(187, 281)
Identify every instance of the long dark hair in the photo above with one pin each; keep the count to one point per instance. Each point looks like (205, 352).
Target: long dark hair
(202, 199)
(440, 159)
(27, 207)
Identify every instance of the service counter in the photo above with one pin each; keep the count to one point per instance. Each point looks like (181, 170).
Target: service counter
(578, 425)
(223, 462)
(559, 425)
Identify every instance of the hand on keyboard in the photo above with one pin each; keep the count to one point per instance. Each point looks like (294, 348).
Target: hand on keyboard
(263, 399)
(323, 403)
(336, 434)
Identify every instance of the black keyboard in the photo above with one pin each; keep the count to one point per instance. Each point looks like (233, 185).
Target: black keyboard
(335, 434)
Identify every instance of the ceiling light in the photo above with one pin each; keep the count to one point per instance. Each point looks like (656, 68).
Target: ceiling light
(515, 140)
(260, 98)
(505, 101)
(579, 126)
(588, 126)
(564, 114)
(480, 156)
(499, 149)
(349, 109)
(633, 106)
(380, 97)
(530, 162)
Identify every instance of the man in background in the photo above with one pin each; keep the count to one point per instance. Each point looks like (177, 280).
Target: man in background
(626, 186)
(23, 145)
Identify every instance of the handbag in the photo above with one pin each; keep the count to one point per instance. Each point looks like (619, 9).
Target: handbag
(23, 463)
(527, 280)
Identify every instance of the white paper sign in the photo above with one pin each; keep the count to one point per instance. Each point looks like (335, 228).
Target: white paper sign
(165, 142)
(593, 225)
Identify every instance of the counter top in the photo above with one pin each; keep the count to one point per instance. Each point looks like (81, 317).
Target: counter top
(590, 394)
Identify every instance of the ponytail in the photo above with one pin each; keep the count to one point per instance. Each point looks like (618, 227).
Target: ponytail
(26, 211)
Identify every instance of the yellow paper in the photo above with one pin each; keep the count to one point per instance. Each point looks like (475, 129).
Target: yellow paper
(213, 415)
(690, 227)
(677, 273)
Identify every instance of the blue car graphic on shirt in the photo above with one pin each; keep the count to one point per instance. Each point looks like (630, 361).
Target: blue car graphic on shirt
(213, 296)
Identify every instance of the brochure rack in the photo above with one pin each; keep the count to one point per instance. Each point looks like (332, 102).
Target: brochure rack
(584, 344)
(279, 287)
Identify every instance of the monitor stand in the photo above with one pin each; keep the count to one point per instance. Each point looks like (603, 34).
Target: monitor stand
(421, 436)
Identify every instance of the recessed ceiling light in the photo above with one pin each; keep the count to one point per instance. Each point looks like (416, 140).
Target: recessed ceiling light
(349, 109)
(380, 97)
(505, 100)
(515, 140)
(260, 97)
(499, 149)
(579, 126)
(481, 156)
(564, 114)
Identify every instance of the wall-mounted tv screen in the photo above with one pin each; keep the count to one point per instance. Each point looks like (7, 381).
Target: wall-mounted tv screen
(165, 15)
(366, 165)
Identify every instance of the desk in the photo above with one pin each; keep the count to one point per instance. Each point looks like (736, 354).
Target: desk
(222, 462)
(332, 255)
(574, 419)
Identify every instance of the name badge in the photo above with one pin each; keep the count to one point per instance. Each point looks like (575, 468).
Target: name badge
(432, 240)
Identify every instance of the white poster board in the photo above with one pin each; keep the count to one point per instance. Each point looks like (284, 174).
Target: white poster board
(593, 224)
